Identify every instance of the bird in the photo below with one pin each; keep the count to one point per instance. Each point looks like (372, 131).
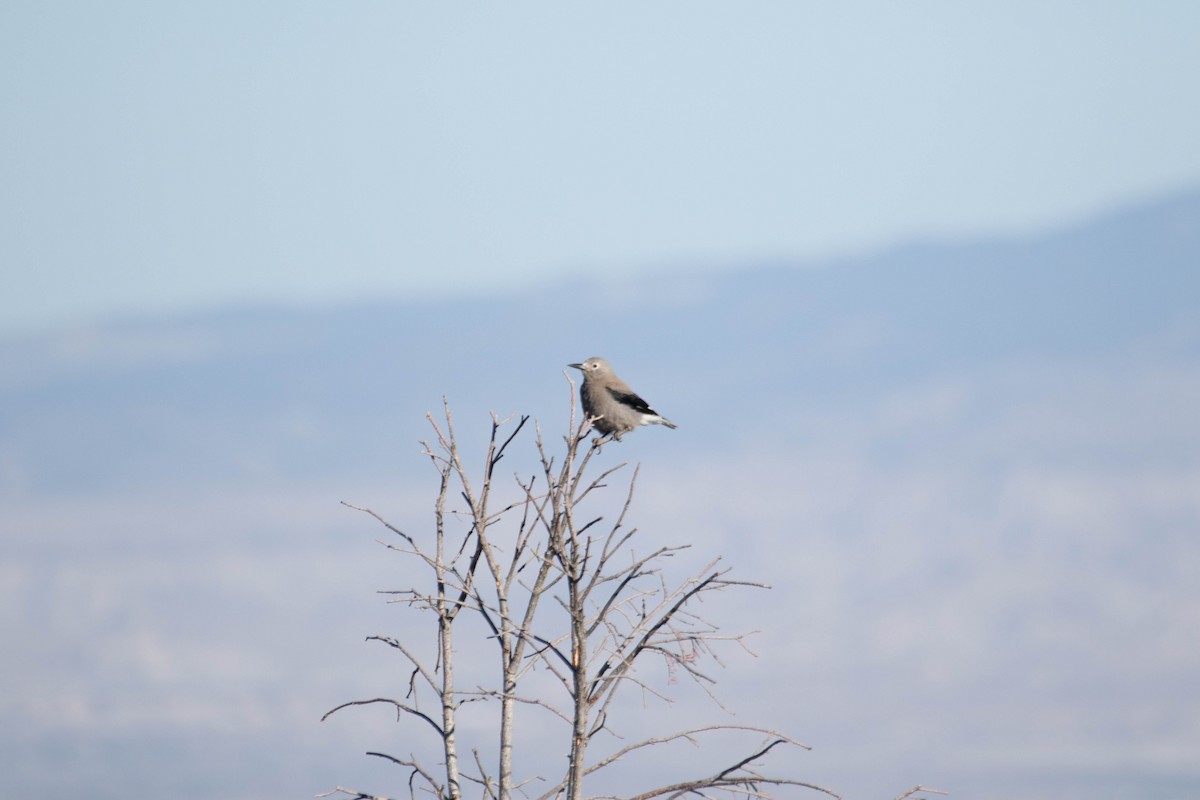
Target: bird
(614, 407)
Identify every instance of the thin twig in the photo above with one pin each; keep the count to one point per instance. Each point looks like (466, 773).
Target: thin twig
(920, 788)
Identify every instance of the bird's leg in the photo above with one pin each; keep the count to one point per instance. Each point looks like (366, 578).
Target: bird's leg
(604, 439)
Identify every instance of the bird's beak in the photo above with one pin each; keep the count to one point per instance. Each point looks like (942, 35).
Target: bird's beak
(576, 366)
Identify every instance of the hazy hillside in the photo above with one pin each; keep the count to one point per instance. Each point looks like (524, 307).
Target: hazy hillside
(256, 393)
(971, 471)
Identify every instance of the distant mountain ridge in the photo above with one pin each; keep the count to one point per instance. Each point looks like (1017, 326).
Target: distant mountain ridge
(299, 392)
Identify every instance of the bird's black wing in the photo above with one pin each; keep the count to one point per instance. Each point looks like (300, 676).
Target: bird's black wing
(631, 400)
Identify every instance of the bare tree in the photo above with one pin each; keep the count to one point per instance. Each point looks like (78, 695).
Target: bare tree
(570, 610)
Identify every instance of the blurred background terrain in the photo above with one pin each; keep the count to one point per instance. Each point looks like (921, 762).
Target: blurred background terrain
(970, 472)
(918, 285)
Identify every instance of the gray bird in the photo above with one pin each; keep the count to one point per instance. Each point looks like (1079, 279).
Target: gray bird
(606, 396)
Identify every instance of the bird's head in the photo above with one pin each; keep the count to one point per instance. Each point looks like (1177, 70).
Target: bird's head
(594, 367)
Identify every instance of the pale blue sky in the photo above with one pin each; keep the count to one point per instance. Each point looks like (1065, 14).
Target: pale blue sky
(158, 157)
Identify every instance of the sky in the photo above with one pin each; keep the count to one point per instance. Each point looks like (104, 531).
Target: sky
(162, 158)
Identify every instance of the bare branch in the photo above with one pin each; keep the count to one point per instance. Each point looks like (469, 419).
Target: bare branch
(354, 794)
(630, 574)
(533, 701)
(418, 668)
(484, 779)
(619, 668)
(919, 788)
(385, 524)
(690, 735)
(730, 779)
(387, 701)
(417, 769)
